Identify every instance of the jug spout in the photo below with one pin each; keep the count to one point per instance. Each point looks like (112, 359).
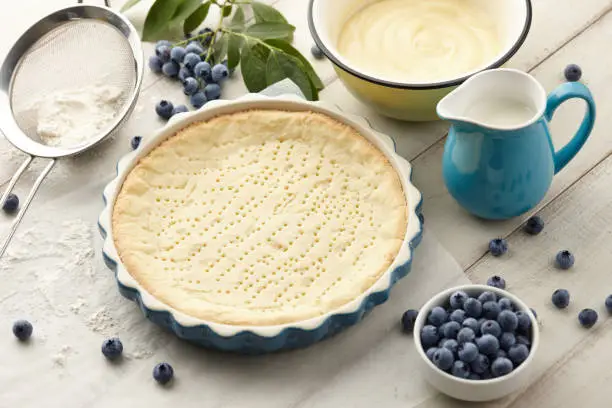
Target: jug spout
(501, 99)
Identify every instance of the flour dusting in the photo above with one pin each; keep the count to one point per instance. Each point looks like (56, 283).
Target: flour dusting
(60, 359)
(102, 322)
(76, 306)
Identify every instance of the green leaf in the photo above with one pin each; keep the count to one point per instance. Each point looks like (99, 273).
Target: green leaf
(268, 14)
(158, 18)
(128, 5)
(233, 50)
(308, 69)
(238, 21)
(280, 66)
(184, 10)
(196, 18)
(227, 10)
(270, 30)
(220, 48)
(253, 61)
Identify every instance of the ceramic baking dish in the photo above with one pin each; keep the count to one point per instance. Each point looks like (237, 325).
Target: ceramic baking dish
(260, 339)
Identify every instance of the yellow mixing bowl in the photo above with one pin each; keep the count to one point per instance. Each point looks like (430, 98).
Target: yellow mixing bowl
(404, 100)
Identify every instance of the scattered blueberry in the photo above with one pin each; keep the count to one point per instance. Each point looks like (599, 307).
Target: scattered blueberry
(507, 340)
(171, 69)
(498, 246)
(112, 348)
(408, 319)
(466, 335)
(471, 323)
(451, 344)
(184, 73)
(316, 52)
(491, 327)
(518, 353)
(457, 299)
(437, 316)
(497, 282)
(443, 358)
(11, 204)
(487, 296)
(163, 52)
(505, 303)
(195, 48)
(573, 73)
(561, 298)
(534, 225)
(190, 86)
(430, 352)
(467, 352)
(490, 310)
(587, 318)
(564, 259)
(507, 320)
(520, 339)
(487, 344)
(136, 142)
(198, 100)
(608, 303)
(451, 329)
(212, 91)
(480, 364)
(460, 369)
(472, 307)
(179, 109)
(501, 366)
(22, 329)
(191, 60)
(219, 73)
(429, 336)
(164, 109)
(163, 373)
(524, 322)
(203, 70)
(155, 63)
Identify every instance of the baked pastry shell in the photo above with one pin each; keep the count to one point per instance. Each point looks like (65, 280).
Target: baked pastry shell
(261, 339)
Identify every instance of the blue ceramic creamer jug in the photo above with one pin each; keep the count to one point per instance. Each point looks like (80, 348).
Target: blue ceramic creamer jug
(499, 159)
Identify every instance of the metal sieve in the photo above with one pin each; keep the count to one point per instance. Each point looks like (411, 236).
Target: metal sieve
(70, 49)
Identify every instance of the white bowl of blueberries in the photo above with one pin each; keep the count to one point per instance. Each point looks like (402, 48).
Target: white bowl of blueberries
(476, 342)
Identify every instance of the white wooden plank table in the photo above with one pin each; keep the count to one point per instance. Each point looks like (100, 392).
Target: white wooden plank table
(573, 363)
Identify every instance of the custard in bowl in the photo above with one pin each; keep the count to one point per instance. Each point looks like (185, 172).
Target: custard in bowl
(402, 56)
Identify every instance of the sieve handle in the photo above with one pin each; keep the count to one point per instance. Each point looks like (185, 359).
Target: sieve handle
(106, 3)
(28, 200)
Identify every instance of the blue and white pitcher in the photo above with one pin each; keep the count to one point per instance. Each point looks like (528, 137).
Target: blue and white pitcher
(499, 159)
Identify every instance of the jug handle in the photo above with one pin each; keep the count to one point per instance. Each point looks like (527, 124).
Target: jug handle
(564, 92)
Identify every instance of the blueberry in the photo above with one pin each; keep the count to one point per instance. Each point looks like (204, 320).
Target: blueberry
(480, 364)
(112, 348)
(608, 303)
(561, 298)
(497, 282)
(491, 327)
(198, 100)
(164, 109)
(155, 63)
(184, 73)
(507, 320)
(212, 91)
(195, 48)
(163, 373)
(474, 376)
(507, 340)
(501, 353)
(487, 297)
(564, 259)
(587, 318)
(22, 329)
(501, 366)
(460, 369)
(408, 319)
(573, 73)
(472, 307)
(11, 204)
(191, 60)
(205, 40)
(487, 344)
(471, 323)
(457, 299)
(458, 316)
(163, 52)
(498, 246)
(203, 70)
(452, 345)
(171, 69)
(534, 225)
(437, 316)
(136, 142)
(505, 304)
(443, 358)
(190, 86)
(163, 43)
(487, 375)
(451, 329)
(430, 352)
(177, 54)
(179, 109)
(520, 339)
(219, 73)
(466, 335)
(316, 52)
(518, 353)
(467, 352)
(490, 310)
(429, 336)
(524, 322)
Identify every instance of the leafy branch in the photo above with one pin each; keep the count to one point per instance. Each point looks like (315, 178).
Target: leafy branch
(260, 45)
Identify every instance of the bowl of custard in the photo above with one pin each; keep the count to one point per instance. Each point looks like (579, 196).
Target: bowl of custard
(400, 57)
